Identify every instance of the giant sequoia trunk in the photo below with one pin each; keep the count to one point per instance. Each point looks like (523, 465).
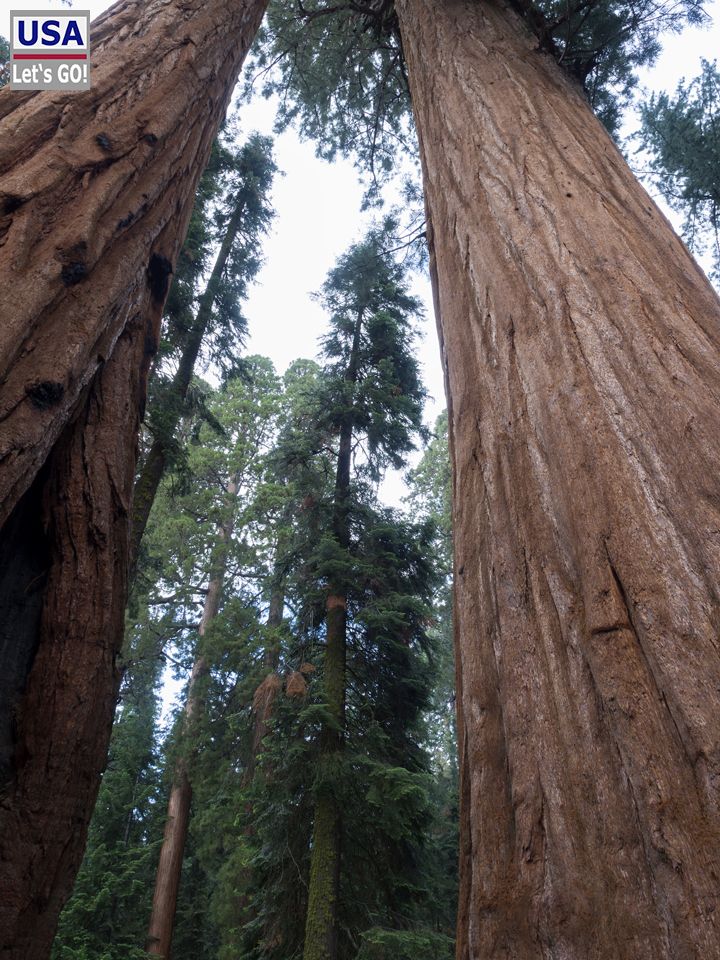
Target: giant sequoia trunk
(172, 851)
(96, 190)
(583, 376)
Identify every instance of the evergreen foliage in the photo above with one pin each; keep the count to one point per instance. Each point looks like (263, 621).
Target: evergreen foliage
(247, 860)
(235, 177)
(378, 944)
(106, 918)
(184, 550)
(338, 72)
(204, 324)
(369, 391)
(681, 133)
(602, 43)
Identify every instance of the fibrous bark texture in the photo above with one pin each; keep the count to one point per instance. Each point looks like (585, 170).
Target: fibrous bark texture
(95, 194)
(581, 349)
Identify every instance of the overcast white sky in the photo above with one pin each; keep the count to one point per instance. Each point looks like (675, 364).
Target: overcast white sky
(318, 215)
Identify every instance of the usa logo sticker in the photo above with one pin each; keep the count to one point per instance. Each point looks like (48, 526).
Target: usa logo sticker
(50, 49)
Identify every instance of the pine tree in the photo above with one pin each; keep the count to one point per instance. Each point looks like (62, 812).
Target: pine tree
(87, 255)
(682, 136)
(346, 722)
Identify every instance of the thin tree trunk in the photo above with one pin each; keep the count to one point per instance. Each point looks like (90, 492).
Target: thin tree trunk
(95, 196)
(583, 377)
(321, 940)
(167, 878)
(262, 704)
(321, 935)
(153, 469)
(262, 711)
(271, 654)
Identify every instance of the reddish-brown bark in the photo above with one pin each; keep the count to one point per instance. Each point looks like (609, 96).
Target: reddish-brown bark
(581, 349)
(69, 697)
(95, 194)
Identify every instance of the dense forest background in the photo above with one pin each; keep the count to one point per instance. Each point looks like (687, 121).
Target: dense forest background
(230, 590)
(311, 755)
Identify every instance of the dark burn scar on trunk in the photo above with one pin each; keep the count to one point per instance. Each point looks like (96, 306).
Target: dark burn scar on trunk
(11, 203)
(104, 142)
(132, 216)
(45, 394)
(158, 275)
(24, 564)
(73, 273)
(151, 342)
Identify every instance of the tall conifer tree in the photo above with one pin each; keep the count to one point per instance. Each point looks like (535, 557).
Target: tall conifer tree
(681, 133)
(231, 214)
(373, 396)
(227, 471)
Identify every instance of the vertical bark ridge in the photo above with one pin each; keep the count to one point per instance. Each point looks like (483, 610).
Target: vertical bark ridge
(581, 346)
(64, 716)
